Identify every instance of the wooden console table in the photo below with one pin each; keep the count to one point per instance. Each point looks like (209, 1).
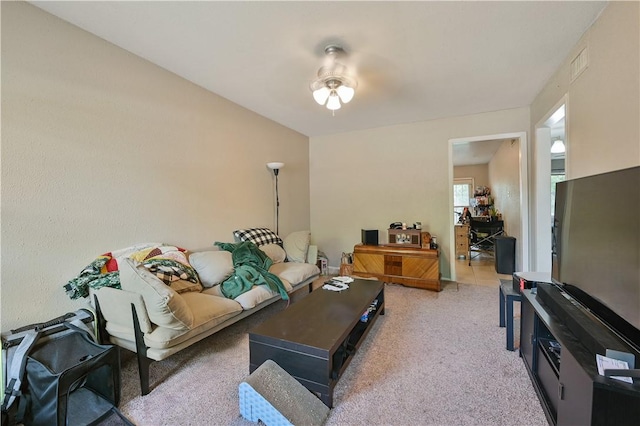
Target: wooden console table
(413, 267)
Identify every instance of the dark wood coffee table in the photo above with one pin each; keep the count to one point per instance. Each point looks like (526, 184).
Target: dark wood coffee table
(315, 338)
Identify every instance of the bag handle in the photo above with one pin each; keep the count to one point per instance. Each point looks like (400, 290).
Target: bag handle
(15, 371)
(80, 327)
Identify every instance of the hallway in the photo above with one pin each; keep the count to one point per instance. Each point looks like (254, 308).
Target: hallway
(481, 272)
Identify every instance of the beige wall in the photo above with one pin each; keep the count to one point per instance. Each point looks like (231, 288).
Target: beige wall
(603, 132)
(102, 150)
(479, 173)
(370, 178)
(603, 106)
(504, 178)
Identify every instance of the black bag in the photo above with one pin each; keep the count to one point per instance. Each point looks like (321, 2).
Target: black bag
(65, 378)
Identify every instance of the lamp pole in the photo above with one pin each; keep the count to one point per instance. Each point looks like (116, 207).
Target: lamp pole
(276, 166)
(275, 172)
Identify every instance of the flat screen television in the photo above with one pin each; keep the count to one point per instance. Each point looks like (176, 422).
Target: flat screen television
(596, 247)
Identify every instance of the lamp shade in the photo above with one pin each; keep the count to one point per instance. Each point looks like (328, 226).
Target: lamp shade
(321, 95)
(346, 93)
(275, 165)
(334, 102)
(557, 147)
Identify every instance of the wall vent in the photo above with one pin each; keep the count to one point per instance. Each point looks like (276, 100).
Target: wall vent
(579, 63)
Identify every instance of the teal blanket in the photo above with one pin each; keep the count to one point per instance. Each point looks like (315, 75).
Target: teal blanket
(251, 267)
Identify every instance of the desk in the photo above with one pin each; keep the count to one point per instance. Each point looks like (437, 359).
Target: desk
(507, 297)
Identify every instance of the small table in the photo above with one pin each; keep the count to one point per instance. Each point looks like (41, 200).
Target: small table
(507, 297)
(315, 339)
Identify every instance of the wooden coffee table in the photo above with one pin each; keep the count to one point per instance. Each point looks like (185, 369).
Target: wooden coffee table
(315, 339)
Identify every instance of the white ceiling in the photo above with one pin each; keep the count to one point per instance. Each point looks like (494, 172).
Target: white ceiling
(473, 153)
(414, 61)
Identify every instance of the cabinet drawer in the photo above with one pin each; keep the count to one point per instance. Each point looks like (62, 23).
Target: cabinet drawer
(393, 265)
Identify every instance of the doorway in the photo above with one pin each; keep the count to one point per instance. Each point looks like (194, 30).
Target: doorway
(550, 168)
(504, 156)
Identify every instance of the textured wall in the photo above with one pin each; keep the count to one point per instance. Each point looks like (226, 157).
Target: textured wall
(603, 106)
(604, 101)
(102, 150)
(370, 178)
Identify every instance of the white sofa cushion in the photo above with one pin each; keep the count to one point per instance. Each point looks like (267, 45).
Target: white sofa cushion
(289, 272)
(208, 312)
(255, 296)
(165, 307)
(275, 252)
(250, 299)
(213, 291)
(293, 272)
(212, 267)
(296, 244)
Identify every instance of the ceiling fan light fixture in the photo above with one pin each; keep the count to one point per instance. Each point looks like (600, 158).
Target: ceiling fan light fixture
(346, 93)
(334, 86)
(334, 101)
(321, 95)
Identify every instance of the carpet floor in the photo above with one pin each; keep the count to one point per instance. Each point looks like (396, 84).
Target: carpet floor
(432, 359)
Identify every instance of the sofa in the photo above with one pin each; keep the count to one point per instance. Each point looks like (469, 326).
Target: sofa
(156, 320)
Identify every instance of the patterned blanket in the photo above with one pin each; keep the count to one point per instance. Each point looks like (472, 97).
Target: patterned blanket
(168, 263)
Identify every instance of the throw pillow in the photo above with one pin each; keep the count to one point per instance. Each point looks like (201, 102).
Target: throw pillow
(165, 307)
(258, 236)
(296, 244)
(212, 267)
(275, 252)
(184, 286)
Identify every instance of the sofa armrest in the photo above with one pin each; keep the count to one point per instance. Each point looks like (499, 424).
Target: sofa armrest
(115, 306)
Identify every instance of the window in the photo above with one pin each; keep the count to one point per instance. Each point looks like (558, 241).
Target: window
(462, 194)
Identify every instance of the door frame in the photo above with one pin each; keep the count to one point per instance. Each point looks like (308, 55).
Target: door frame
(523, 245)
(541, 207)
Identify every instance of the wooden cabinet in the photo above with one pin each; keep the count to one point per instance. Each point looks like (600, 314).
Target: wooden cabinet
(413, 267)
(462, 240)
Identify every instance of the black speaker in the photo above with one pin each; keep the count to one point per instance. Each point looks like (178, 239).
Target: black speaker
(370, 237)
(505, 255)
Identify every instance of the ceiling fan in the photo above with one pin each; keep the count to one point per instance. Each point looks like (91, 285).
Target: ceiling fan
(334, 85)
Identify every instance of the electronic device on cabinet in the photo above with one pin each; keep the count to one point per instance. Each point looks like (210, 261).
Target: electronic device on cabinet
(415, 238)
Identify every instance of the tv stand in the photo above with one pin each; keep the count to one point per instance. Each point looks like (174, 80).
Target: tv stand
(559, 340)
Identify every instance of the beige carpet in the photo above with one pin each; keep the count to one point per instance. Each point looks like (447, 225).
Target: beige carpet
(433, 359)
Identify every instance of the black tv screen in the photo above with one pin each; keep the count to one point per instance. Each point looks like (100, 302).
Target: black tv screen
(596, 246)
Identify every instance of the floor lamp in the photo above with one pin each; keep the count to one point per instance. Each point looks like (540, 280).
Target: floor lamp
(276, 166)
